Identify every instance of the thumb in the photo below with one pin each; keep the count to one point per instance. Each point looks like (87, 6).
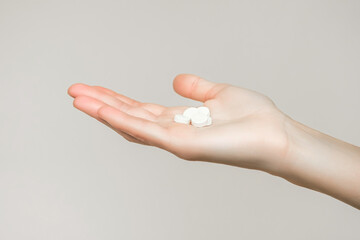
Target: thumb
(195, 87)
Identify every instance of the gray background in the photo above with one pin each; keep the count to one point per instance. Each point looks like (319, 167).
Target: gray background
(64, 175)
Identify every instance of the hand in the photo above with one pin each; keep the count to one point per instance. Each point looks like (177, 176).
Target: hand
(247, 129)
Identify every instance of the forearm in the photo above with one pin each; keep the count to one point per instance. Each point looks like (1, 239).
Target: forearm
(320, 162)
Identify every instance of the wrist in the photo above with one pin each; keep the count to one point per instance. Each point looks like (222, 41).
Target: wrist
(322, 163)
(302, 144)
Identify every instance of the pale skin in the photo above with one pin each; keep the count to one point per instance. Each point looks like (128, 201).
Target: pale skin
(248, 131)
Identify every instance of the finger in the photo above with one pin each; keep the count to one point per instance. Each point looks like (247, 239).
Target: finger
(76, 89)
(142, 129)
(196, 88)
(119, 96)
(90, 106)
(124, 135)
(151, 107)
(82, 89)
(155, 109)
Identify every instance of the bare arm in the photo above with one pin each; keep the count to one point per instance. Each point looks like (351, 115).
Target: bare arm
(248, 131)
(323, 163)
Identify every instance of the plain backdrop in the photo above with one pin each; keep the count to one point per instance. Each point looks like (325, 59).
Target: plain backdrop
(63, 175)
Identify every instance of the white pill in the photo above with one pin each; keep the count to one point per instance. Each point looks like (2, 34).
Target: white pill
(209, 121)
(204, 110)
(199, 120)
(189, 112)
(179, 118)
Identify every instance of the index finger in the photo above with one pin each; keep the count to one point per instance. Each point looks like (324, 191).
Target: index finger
(145, 130)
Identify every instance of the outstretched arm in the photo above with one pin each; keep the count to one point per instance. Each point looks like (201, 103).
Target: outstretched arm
(323, 163)
(248, 131)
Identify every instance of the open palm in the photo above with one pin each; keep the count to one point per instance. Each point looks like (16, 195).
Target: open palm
(247, 130)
